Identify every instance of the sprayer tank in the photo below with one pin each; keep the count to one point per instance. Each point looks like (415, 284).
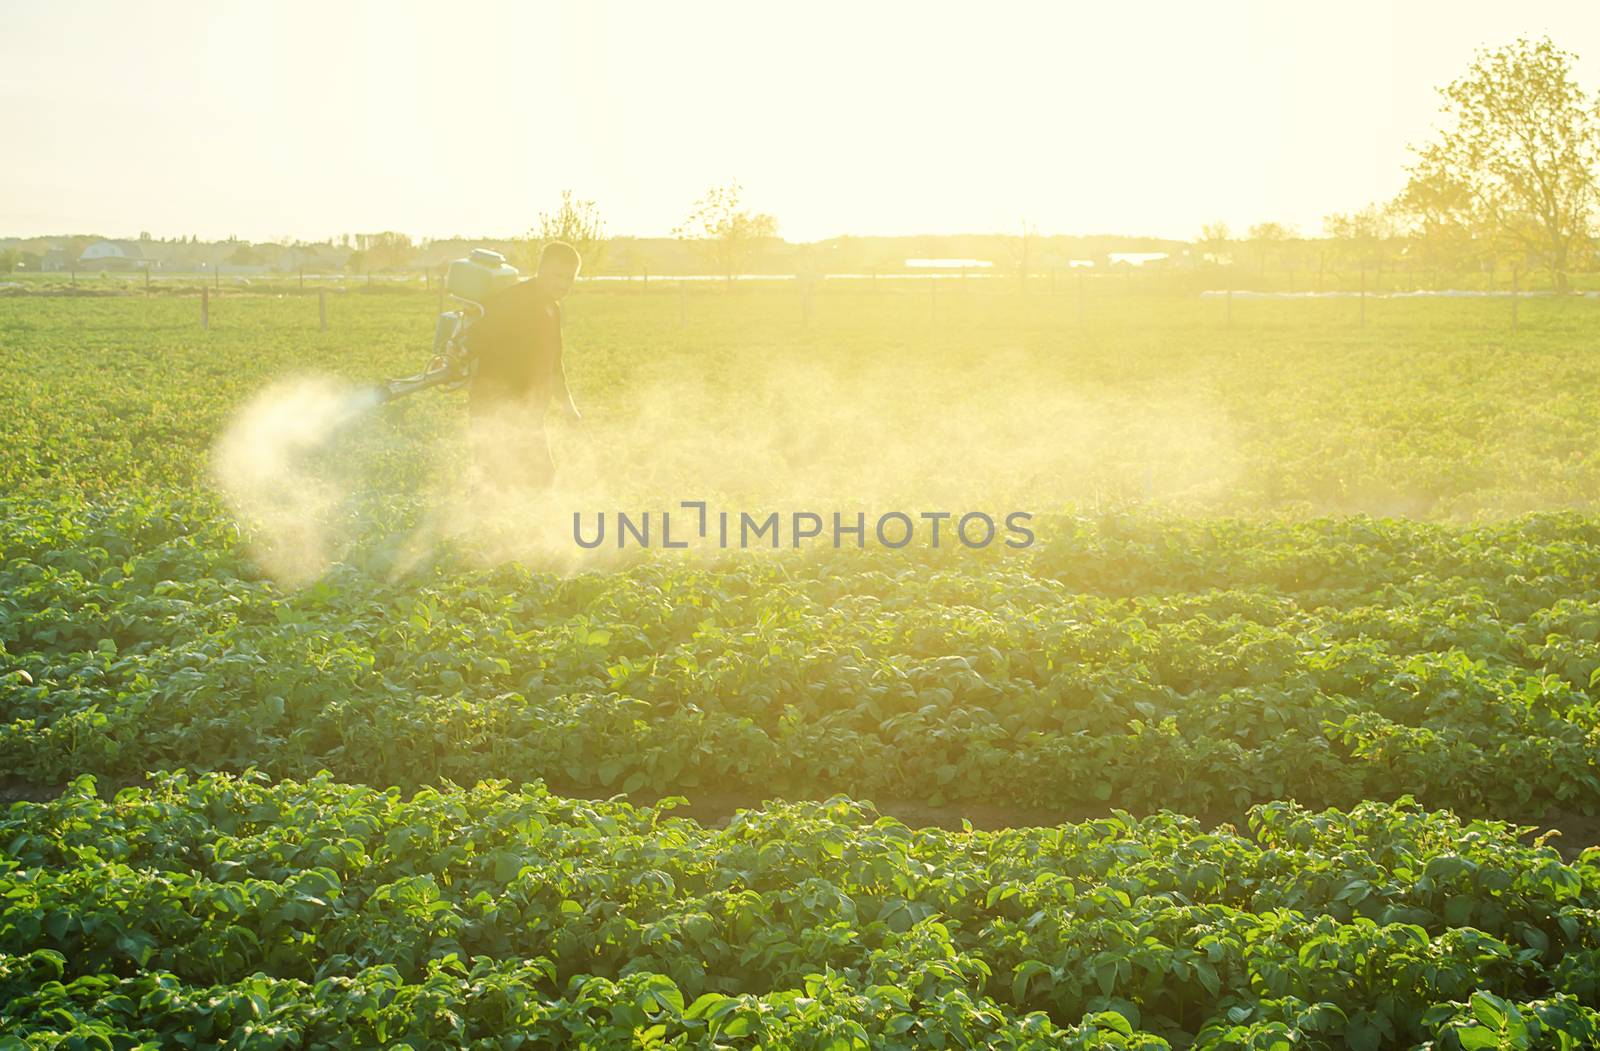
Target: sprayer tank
(480, 275)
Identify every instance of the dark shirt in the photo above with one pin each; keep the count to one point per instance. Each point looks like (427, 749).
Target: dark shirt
(518, 346)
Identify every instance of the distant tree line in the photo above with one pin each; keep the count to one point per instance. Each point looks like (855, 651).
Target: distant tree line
(1509, 180)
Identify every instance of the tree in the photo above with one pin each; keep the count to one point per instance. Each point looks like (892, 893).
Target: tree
(576, 222)
(1214, 241)
(9, 258)
(1268, 240)
(1516, 165)
(731, 231)
(1440, 220)
(1364, 238)
(386, 250)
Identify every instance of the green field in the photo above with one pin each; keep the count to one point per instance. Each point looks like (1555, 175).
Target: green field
(1255, 747)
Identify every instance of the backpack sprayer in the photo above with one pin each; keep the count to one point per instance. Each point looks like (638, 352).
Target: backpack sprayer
(470, 282)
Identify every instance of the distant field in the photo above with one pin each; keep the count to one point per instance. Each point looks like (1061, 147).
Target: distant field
(1282, 556)
(1433, 409)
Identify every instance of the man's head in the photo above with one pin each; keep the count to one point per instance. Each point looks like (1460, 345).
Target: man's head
(558, 268)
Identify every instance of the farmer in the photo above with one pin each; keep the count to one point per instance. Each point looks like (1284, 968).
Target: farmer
(518, 347)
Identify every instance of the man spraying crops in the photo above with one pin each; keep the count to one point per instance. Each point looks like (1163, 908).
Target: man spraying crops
(518, 349)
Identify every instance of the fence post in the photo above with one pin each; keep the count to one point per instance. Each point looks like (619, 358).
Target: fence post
(147, 277)
(1515, 275)
(322, 309)
(302, 279)
(216, 275)
(205, 307)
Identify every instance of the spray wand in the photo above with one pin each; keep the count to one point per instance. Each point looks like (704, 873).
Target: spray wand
(469, 282)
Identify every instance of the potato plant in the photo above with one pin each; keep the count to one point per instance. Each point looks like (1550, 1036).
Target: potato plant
(223, 911)
(1267, 721)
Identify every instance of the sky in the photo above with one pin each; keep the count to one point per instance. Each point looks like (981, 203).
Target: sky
(306, 120)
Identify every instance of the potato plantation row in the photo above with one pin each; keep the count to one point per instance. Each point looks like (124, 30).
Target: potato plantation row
(1261, 742)
(1140, 661)
(313, 914)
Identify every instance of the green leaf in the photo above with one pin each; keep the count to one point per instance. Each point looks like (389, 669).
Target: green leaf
(506, 867)
(661, 993)
(1477, 1038)
(739, 1025)
(1208, 976)
(1489, 1009)
(1458, 910)
(1361, 1035)
(1113, 1020)
(1025, 972)
(704, 1003)
(1105, 973)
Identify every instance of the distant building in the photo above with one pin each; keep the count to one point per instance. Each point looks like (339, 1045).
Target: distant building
(113, 255)
(1136, 258)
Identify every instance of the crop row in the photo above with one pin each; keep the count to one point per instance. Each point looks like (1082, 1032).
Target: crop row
(318, 914)
(1148, 401)
(1143, 662)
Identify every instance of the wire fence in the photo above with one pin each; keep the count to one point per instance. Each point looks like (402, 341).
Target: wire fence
(1080, 288)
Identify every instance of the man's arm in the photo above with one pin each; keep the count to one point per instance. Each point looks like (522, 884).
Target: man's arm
(559, 383)
(563, 393)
